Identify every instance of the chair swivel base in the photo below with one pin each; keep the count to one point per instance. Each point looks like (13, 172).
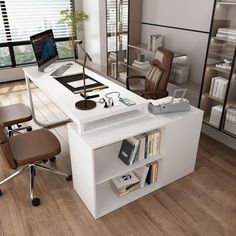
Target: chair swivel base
(35, 201)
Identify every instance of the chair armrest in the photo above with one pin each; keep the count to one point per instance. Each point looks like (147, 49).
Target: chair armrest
(134, 77)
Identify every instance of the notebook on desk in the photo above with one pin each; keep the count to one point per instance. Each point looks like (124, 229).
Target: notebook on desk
(75, 83)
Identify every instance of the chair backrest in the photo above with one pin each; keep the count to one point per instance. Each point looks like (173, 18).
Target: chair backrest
(6, 149)
(158, 75)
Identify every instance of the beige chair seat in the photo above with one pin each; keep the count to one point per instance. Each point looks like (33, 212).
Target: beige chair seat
(14, 114)
(34, 146)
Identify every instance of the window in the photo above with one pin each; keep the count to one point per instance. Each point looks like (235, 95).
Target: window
(19, 19)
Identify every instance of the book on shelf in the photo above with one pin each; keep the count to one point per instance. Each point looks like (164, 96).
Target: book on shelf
(153, 142)
(155, 41)
(128, 150)
(215, 115)
(112, 56)
(224, 66)
(123, 76)
(218, 87)
(125, 183)
(141, 149)
(152, 175)
(145, 65)
(226, 33)
(230, 120)
(141, 173)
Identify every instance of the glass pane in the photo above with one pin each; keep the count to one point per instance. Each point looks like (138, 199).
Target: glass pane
(5, 59)
(28, 17)
(24, 54)
(64, 49)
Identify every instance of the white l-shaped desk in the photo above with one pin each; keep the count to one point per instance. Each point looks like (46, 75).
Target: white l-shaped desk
(95, 138)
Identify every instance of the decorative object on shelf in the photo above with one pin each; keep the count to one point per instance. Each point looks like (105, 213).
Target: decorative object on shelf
(154, 42)
(179, 73)
(75, 21)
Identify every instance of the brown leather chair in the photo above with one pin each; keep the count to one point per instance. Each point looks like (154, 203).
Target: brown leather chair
(30, 150)
(14, 115)
(157, 77)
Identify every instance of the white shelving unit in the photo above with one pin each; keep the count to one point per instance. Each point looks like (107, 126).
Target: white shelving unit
(94, 157)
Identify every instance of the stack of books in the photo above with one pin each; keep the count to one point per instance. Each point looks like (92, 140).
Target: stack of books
(140, 147)
(218, 87)
(154, 42)
(125, 183)
(123, 76)
(226, 33)
(143, 65)
(112, 56)
(230, 120)
(215, 116)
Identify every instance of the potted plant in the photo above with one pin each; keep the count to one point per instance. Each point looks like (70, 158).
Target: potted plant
(74, 20)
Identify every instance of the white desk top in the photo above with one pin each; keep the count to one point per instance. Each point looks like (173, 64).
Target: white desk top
(137, 126)
(65, 99)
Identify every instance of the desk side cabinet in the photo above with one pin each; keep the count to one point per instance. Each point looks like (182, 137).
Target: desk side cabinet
(95, 164)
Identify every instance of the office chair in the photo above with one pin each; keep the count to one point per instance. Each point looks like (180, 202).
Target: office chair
(157, 77)
(14, 115)
(29, 150)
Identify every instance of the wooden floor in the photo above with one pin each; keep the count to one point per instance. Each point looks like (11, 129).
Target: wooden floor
(203, 203)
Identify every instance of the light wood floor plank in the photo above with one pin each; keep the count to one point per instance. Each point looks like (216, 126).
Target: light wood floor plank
(203, 203)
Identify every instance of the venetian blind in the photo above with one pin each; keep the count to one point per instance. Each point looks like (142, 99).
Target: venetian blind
(20, 19)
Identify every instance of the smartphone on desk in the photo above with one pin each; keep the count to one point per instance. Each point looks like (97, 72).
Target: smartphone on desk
(127, 101)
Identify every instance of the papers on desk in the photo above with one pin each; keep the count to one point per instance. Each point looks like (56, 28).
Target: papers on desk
(80, 83)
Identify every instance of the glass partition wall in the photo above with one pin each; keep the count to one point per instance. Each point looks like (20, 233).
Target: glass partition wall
(218, 93)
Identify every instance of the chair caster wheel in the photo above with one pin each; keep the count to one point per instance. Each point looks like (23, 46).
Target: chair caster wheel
(52, 159)
(29, 129)
(69, 178)
(36, 202)
(0, 192)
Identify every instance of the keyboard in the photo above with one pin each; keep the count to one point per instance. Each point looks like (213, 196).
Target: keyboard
(59, 71)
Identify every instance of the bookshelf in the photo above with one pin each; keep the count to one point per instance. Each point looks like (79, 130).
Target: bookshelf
(220, 62)
(94, 157)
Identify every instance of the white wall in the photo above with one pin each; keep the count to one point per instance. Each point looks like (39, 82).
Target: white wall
(190, 14)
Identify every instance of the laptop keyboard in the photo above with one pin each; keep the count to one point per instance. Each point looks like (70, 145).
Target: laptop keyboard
(59, 71)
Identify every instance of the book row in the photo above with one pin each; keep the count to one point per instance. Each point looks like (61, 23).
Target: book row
(138, 178)
(140, 147)
(218, 87)
(230, 120)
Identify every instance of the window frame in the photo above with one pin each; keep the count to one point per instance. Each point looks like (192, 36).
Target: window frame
(11, 44)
